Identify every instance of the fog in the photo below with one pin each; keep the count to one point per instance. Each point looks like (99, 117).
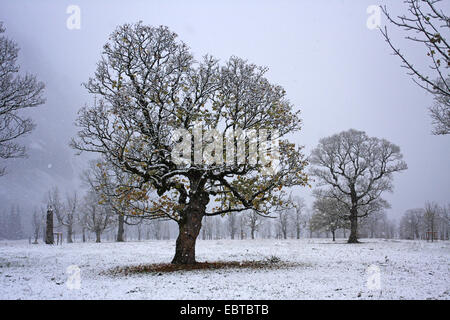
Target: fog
(338, 72)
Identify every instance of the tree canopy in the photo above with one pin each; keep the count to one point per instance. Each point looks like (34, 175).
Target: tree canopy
(150, 89)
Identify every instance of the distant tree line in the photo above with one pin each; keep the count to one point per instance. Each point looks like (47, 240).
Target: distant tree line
(431, 223)
(94, 221)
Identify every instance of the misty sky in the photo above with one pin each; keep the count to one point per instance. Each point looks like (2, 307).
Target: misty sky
(339, 73)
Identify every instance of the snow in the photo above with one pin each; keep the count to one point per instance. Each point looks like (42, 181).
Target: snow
(323, 270)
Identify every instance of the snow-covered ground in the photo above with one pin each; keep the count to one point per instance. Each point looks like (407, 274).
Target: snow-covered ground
(323, 270)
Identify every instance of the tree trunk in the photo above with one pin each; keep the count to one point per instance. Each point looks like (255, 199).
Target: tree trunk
(333, 233)
(189, 226)
(84, 234)
(353, 226)
(49, 239)
(97, 236)
(69, 234)
(120, 230)
(253, 234)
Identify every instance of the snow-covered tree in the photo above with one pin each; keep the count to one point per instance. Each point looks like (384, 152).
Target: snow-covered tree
(36, 224)
(427, 25)
(232, 224)
(411, 223)
(328, 215)
(66, 212)
(431, 219)
(253, 222)
(107, 182)
(355, 170)
(298, 216)
(284, 217)
(17, 92)
(150, 87)
(97, 215)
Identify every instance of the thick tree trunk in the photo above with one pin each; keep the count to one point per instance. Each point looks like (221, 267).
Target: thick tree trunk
(69, 234)
(84, 234)
(49, 239)
(120, 230)
(97, 236)
(253, 234)
(353, 226)
(189, 228)
(333, 233)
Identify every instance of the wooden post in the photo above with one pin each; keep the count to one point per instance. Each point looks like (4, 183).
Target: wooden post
(49, 239)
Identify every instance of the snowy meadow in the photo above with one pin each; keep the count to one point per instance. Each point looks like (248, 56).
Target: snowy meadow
(225, 150)
(309, 269)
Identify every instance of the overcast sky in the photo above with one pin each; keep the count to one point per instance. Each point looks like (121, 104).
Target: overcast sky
(339, 73)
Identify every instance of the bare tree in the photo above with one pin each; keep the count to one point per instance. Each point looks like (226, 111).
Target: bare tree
(386, 227)
(36, 224)
(207, 228)
(106, 180)
(445, 222)
(253, 221)
(431, 223)
(156, 229)
(427, 25)
(299, 208)
(53, 199)
(431, 219)
(232, 225)
(16, 94)
(440, 112)
(411, 223)
(150, 88)
(242, 226)
(356, 170)
(218, 228)
(98, 216)
(284, 215)
(82, 222)
(66, 213)
(328, 215)
(70, 216)
(373, 221)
